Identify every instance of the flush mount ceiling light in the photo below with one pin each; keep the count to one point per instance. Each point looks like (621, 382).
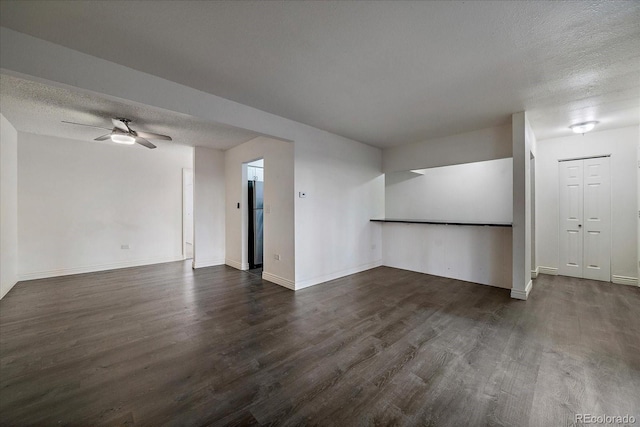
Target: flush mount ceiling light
(583, 127)
(122, 139)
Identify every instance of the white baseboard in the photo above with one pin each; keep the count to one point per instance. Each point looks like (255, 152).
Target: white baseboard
(210, 262)
(317, 280)
(535, 272)
(236, 264)
(552, 271)
(289, 284)
(624, 280)
(520, 294)
(98, 267)
(8, 288)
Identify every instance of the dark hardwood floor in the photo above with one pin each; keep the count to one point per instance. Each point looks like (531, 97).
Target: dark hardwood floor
(166, 345)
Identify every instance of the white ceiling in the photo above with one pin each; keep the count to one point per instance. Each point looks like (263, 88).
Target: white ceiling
(384, 73)
(38, 108)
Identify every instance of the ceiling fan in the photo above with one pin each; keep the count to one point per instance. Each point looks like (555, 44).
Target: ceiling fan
(123, 134)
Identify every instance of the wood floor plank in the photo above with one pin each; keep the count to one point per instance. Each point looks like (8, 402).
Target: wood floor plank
(168, 345)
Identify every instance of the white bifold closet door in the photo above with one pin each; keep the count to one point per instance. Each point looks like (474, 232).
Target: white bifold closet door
(585, 219)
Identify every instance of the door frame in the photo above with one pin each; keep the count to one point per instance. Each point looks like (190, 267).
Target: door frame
(185, 173)
(244, 213)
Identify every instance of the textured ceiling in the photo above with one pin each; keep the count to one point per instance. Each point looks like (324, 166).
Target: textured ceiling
(38, 108)
(384, 73)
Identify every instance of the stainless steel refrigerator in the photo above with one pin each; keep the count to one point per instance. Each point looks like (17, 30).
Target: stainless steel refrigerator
(255, 223)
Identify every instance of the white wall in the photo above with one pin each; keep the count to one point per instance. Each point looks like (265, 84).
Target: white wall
(344, 189)
(476, 146)
(79, 201)
(523, 143)
(208, 207)
(621, 144)
(479, 191)
(476, 254)
(278, 208)
(8, 206)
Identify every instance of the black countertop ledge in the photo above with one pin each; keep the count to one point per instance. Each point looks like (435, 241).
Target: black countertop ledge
(441, 222)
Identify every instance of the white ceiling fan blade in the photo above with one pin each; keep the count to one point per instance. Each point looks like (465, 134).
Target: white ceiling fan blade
(82, 124)
(151, 135)
(144, 142)
(118, 123)
(103, 137)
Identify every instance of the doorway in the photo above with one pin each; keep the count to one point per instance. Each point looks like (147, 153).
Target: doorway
(585, 218)
(255, 206)
(187, 213)
(532, 176)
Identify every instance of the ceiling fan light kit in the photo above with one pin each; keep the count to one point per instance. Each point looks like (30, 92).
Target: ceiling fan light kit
(123, 134)
(122, 139)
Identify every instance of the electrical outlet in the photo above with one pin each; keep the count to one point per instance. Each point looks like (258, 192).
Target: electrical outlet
(124, 246)
(276, 257)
